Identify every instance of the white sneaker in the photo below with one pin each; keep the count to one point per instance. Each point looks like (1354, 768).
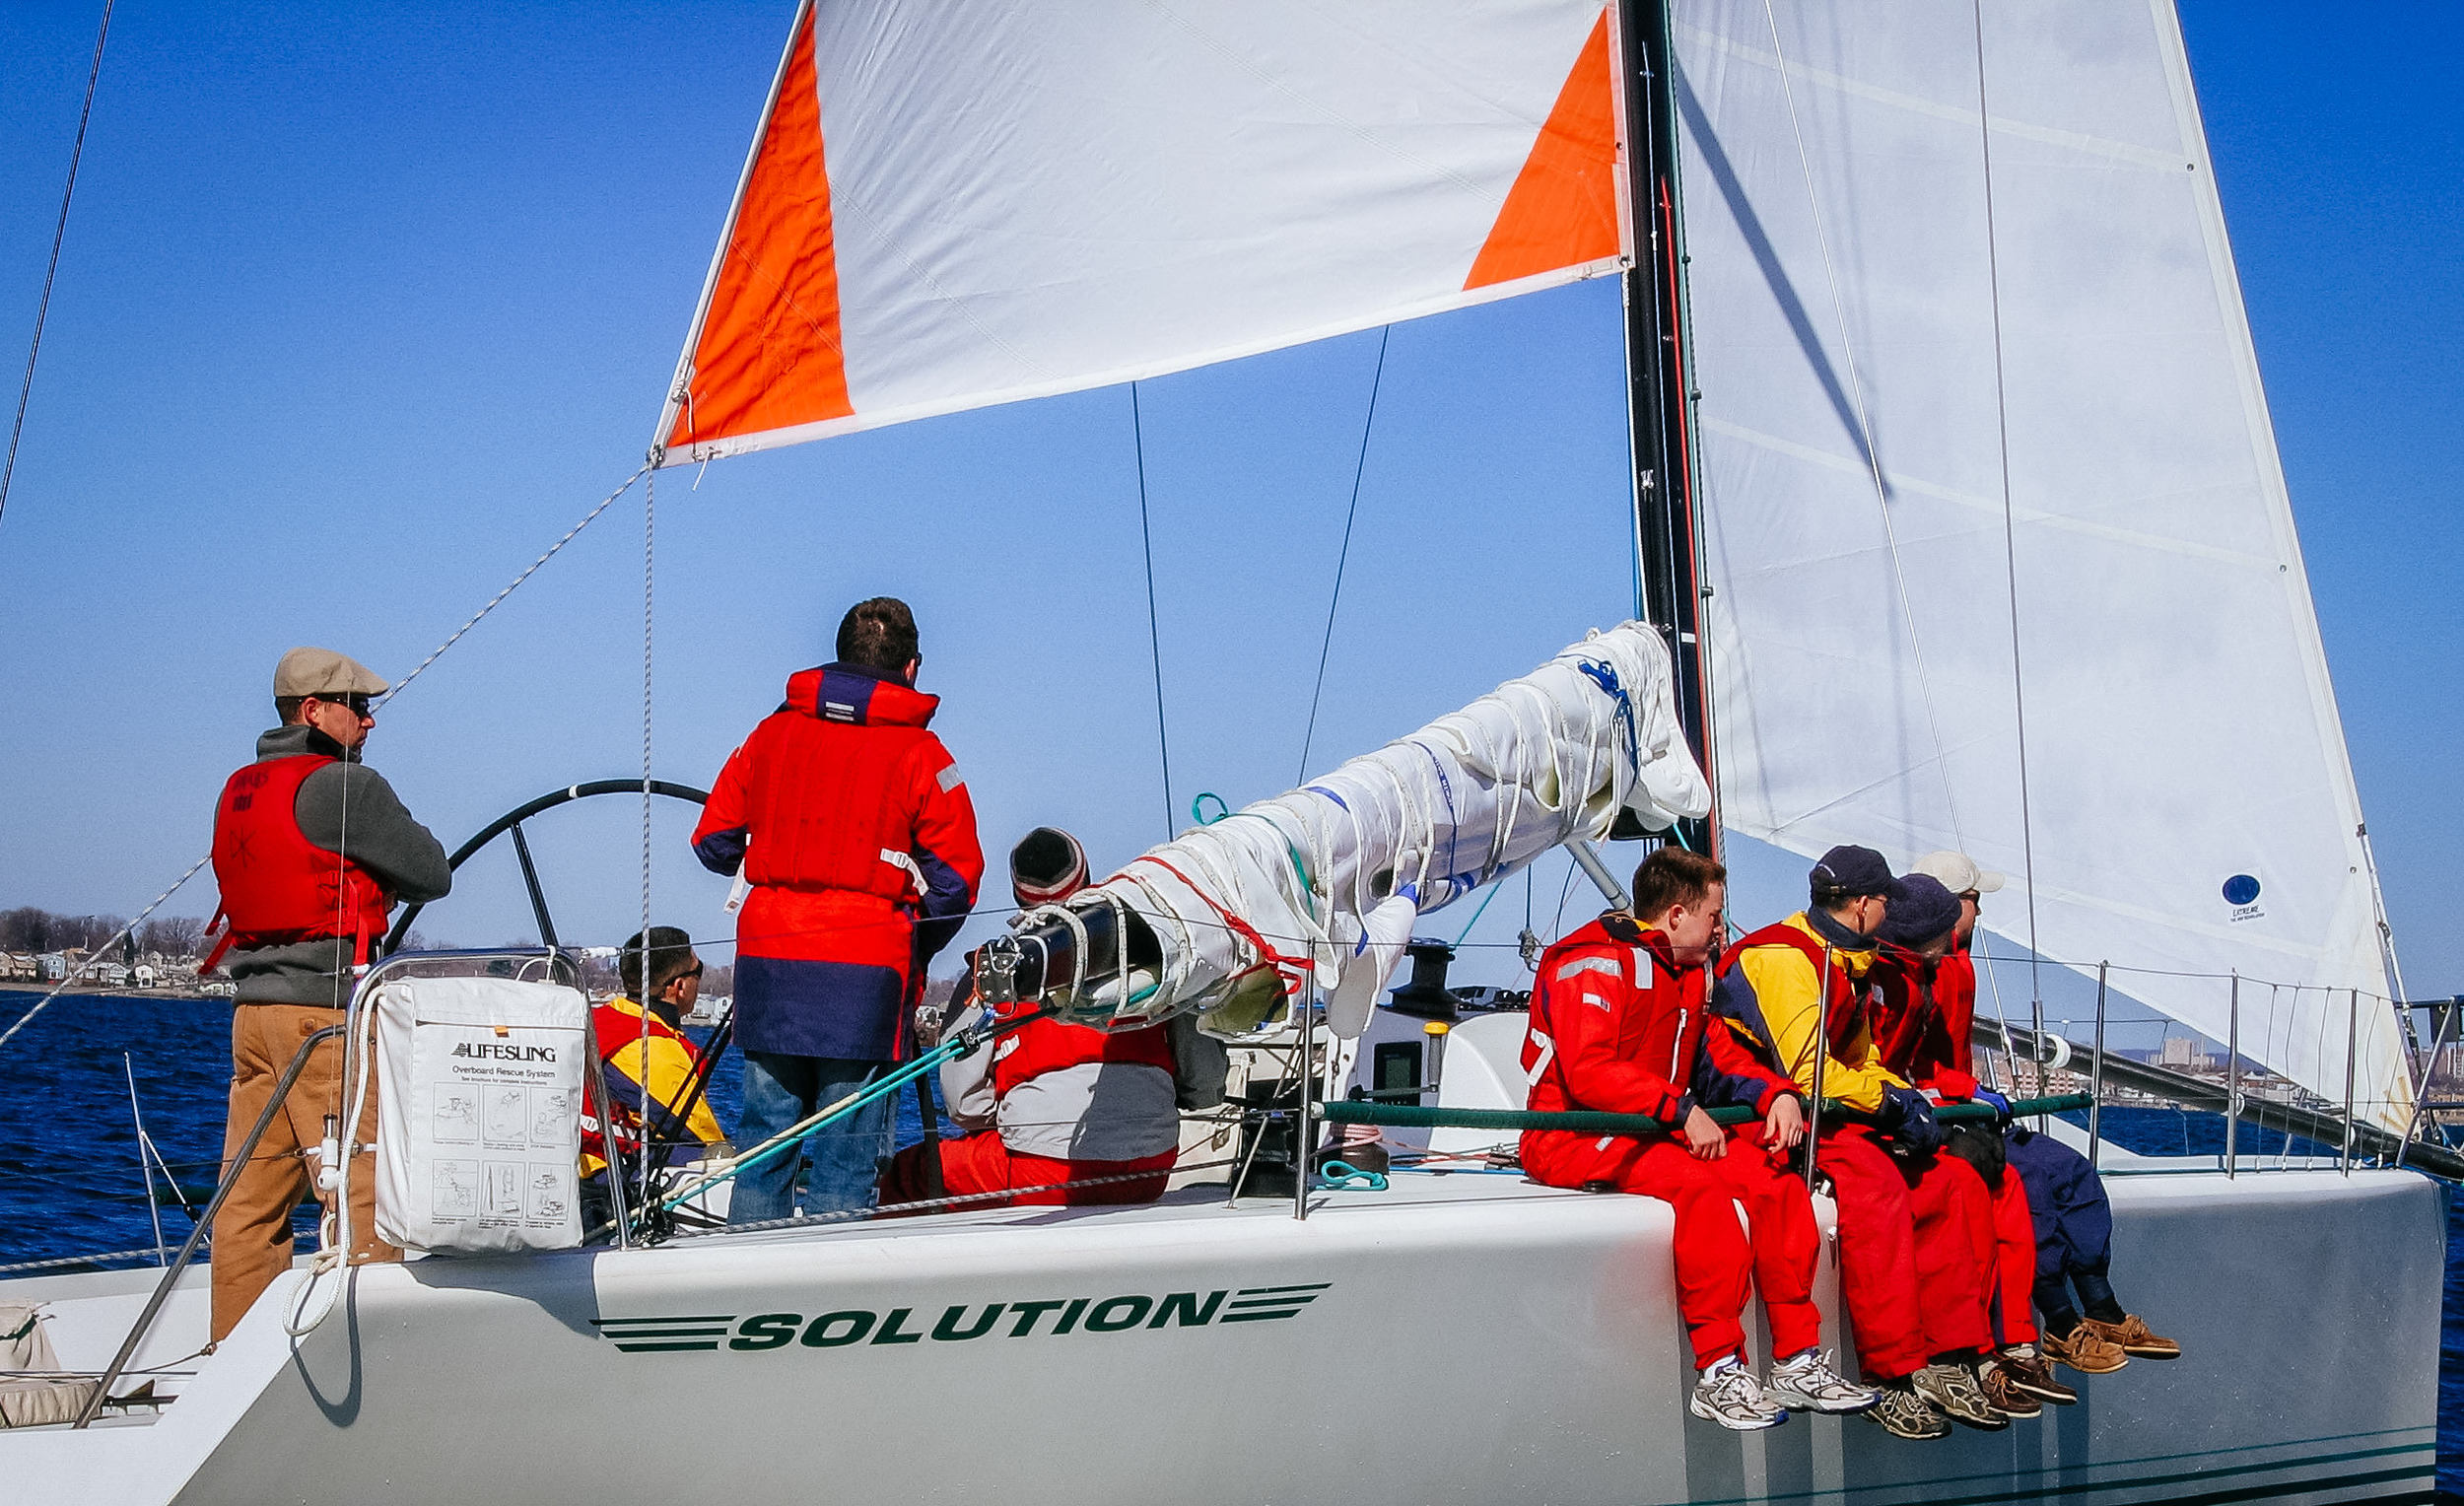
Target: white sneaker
(1809, 1382)
(1728, 1395)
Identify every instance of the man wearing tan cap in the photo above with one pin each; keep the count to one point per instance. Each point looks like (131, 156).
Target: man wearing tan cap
(2066, 1198)
(310, 850)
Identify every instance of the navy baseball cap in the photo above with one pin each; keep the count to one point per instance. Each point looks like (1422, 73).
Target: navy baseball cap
(1925, 910)
(1847, 872)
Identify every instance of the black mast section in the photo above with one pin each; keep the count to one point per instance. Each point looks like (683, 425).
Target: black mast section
(1659, 397)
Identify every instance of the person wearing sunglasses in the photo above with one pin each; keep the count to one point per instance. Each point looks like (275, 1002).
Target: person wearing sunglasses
(2094, 1334)
(311, 850)
(651, 1070)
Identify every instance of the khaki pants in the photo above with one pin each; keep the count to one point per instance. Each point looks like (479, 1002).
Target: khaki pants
(253, 1231)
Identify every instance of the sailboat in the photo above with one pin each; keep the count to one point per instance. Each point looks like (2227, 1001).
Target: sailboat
(1957, 524)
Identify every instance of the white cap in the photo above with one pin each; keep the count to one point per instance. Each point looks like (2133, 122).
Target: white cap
(1956, 872)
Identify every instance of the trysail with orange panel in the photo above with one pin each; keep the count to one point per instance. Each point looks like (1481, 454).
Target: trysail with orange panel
(968, 203)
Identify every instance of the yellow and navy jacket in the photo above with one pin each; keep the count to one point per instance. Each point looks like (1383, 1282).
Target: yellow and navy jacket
(1772, 989)
(671, 1065)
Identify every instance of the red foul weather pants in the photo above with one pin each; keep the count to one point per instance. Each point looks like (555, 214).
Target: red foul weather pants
(980, 1163)
(2014, 1261)
(1916, 1273)
(1716, 1262)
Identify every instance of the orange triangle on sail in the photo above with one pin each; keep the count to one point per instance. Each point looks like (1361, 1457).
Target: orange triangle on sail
(1562, 210)
(769, 355)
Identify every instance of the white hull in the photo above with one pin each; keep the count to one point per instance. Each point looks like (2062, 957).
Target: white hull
(1462, 1337)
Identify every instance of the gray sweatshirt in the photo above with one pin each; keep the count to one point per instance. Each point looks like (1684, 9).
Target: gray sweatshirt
(347, 808)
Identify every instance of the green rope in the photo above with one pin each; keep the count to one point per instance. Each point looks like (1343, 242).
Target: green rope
(1494, 885)
(1588, 1121)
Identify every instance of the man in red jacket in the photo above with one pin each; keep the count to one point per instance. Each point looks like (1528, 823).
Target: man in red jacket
(2074, 1223)
(1914, 1032)
(853, 826)
(1617, 1027)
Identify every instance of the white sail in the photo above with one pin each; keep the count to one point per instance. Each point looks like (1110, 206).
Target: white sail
(1323, 883)
(962, 203)
(2188, 806)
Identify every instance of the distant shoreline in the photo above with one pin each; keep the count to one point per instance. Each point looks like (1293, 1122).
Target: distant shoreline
(140, 995)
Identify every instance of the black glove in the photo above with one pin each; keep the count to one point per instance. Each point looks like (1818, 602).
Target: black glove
(1909, 1118)
(1980, 1145)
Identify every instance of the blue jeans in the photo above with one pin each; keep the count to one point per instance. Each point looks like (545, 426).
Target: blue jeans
(844, 1157)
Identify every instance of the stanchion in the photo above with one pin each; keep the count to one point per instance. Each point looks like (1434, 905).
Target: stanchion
(2351, 1039)
(2232, 1075)
(2095, 1104)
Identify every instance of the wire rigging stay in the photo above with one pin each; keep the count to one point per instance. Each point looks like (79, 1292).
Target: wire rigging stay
(1154, 635)
(59, 234)
(1335, 599)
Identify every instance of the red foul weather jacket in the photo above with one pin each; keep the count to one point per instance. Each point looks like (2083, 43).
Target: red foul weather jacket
(1069, 1092)
(278, 887)
(1922, 1018)
(1617, 1028)
(853, 826)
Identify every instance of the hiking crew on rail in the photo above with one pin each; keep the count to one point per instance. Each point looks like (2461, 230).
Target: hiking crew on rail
(1929, 1000)
(1618, 1026)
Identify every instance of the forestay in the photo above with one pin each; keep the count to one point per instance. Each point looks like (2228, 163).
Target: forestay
(2193, 809)
(965, 203)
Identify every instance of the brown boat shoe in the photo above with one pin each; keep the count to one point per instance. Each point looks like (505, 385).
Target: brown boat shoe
(2084, 1351)
(2131, 1335)
(2005, 1396)
(2029, 1372)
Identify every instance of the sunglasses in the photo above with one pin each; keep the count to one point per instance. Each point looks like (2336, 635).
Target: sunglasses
(359, 705)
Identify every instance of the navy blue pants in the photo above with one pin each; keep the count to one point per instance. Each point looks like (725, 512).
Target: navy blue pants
(2074, 1229)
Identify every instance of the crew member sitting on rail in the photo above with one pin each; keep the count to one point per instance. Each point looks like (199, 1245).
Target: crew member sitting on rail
(1059, 1112)
(2073, 1222)
(639, 1047)
(1618, 1026)
(1914, 1281)
(1915, 937)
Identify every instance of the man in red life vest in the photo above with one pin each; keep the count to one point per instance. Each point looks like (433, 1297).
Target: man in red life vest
(1618, 1026)
(2073, 1222)
(1051, 1104)
(652, 1070)
(853, 825)
(1914, 1032)
(311, 849)
(1916, 1281)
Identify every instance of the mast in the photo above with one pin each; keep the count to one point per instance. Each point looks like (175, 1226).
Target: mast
(1659, 393)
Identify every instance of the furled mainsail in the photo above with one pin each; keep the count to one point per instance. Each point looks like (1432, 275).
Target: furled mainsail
(1322, 884)
(962, 203)
(2188, 795)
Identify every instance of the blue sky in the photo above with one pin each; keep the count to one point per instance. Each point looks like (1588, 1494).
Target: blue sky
(362, 308)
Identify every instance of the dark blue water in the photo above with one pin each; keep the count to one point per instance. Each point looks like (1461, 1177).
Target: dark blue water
(70, 1184)
(69, 1178)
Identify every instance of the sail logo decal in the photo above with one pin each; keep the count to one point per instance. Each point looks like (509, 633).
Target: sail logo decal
(960, 1321)
(2241, 891)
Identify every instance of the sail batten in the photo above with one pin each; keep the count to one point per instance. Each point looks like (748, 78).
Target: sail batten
(958, 205)
(2189, 804)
